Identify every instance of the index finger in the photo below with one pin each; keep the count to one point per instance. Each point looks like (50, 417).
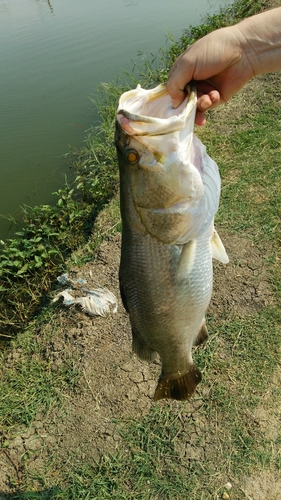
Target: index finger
(176, 83)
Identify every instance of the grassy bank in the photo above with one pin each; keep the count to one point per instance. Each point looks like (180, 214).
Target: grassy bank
(230, 432)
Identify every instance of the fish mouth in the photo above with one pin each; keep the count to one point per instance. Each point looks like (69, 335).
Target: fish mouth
(150, 112)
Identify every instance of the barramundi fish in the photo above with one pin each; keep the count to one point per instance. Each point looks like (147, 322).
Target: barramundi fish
(169, 194)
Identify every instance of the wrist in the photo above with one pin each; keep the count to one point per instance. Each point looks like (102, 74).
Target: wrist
(260, 40)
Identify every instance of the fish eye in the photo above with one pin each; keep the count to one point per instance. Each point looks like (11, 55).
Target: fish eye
(132, 156)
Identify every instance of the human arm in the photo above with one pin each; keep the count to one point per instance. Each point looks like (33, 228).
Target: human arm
(223, 61)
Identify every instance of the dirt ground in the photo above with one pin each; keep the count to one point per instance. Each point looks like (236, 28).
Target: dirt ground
(116, 384)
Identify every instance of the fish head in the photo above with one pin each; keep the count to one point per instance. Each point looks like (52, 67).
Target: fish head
(155, 149)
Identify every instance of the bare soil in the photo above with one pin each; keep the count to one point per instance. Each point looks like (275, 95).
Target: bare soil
(116, 385)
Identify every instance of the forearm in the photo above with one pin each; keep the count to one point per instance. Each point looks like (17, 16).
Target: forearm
(260, 38)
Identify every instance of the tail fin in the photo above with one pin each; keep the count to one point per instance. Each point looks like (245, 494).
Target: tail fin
(180, 388)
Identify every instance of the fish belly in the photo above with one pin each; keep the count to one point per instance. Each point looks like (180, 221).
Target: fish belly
(167, 307)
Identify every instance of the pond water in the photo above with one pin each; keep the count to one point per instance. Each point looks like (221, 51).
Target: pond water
(53, 56)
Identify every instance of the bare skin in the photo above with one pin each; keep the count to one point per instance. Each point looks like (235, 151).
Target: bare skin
(223, 61)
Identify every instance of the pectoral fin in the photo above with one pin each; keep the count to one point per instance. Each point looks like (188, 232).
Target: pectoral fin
(218, 250)
(187, 259)
(180, 388)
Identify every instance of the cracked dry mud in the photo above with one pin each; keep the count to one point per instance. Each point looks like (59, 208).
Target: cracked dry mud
(116, 385)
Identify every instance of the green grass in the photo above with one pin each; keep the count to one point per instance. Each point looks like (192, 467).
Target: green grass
(29, 382)
(249, 157)
(240, 359)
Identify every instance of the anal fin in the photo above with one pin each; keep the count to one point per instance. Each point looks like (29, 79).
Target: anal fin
(180, 388)
(141, 349)
(203, 334)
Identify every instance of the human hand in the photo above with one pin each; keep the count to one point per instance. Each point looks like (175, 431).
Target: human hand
(219, 65)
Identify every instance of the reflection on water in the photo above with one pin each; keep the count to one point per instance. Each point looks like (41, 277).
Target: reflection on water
(53, 55)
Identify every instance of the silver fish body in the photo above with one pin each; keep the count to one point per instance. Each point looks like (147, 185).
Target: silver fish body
(169, 194)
